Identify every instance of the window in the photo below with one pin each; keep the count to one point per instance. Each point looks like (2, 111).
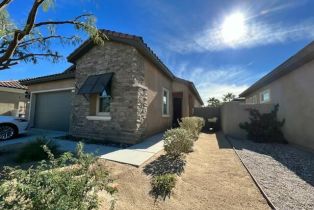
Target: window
(265, 96)
(103, 104)
(165, 102)
(254, 99)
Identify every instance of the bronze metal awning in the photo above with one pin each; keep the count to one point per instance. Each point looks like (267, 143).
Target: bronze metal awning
(97, 84)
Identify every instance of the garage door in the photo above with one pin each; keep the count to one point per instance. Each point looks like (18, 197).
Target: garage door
(52, 110)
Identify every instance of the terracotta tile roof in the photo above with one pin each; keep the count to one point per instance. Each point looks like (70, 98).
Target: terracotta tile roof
(12, 84)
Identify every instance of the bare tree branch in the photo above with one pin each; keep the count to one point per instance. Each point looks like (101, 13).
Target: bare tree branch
(36, 55)
(75, 21)
(19, 35)
(4, 3)
(43, 39)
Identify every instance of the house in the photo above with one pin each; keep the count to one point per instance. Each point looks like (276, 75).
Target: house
(12, 98)
(119, 92)
(291, 85)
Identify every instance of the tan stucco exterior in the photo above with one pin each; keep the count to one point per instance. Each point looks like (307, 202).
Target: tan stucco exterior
(12, 101)
(59, 84)
(294, 93)
(155, 81)
(233, 113)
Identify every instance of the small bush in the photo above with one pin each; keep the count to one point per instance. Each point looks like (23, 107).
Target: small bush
(68, 182)
(177, 141)
(162, 185)
(34, 151)
(264, 127)
(193, 124)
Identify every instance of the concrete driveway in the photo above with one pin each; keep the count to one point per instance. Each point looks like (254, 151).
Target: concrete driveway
(135, 155)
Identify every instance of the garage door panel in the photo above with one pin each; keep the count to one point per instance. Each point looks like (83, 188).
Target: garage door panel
(52, 110)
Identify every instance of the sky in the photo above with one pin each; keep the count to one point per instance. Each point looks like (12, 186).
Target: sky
(222, 46)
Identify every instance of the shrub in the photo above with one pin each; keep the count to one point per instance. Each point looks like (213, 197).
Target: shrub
(177, 141)
(34, 151)
(264, 127)
(192, 124)
(162, 185)
(68, 182)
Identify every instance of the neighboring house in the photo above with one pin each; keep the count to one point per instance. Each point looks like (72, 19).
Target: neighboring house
(118, 92)
(291, 85)
(12, 98)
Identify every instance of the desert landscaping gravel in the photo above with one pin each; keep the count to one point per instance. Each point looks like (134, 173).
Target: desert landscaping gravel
(285, 172)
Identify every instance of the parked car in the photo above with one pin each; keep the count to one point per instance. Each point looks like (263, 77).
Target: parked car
(10, 127)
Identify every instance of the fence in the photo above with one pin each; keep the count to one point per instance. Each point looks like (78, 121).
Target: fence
(207, 113)
(234, 113)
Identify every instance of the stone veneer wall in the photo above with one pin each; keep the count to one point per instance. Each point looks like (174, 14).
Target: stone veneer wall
(129, 96)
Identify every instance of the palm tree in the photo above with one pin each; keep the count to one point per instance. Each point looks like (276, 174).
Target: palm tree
(228, 97)
(213, 102)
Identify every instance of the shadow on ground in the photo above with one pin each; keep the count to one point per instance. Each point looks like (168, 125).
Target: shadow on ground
(223, 143)
(297, 160)
(165, 164)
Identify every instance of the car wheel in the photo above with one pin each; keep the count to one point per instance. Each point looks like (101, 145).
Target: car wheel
(7, 132)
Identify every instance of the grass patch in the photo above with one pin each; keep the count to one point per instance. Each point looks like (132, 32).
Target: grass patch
(34, 151)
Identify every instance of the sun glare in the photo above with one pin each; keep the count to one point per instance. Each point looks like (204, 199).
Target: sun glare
(233, 28)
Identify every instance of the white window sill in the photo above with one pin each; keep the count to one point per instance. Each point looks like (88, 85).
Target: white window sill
(166, 115)
(103, 118)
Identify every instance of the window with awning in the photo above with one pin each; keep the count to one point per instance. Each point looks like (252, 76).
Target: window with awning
(99, 85)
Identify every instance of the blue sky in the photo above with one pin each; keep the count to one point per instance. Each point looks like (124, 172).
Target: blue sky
(193, 38)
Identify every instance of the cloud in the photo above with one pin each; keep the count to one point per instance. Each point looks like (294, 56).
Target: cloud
(258, 33)
(215, 82)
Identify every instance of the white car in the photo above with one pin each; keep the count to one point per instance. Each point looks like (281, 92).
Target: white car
(10, 127)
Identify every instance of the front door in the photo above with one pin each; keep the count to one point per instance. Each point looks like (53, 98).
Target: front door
(177, 111)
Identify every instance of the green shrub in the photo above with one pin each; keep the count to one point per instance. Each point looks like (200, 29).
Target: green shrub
(177, 141)
(33, 151)
(68, 182)
(162, 185)
(264, 127)
(192, 124)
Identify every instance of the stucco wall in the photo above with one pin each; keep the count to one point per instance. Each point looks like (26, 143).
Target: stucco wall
(59, 84)
(129, 95)
(155, 81)
(180, 87)
(294, 94)
(234, 113)
(10, 101)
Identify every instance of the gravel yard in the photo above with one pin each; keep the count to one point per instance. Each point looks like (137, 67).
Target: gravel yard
(285, 172)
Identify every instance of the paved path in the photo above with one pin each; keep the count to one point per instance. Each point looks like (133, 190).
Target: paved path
(213, 178)
(135, 155)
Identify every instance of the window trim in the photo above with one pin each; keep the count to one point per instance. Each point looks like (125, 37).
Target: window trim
(98, 113)
(254, 99)
(260, 96)
(162, 103)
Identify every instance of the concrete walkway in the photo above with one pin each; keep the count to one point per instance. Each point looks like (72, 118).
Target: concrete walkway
(135, 155)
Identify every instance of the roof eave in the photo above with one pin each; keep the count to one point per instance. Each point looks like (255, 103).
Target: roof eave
(49, 78)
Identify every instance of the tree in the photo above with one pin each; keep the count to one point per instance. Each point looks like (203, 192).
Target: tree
(213, 102)
(31, 41)
(228, 97)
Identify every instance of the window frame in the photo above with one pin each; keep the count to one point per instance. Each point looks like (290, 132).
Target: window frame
(261, 96)
(98, 113)
(168, 103)
(254, 99)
